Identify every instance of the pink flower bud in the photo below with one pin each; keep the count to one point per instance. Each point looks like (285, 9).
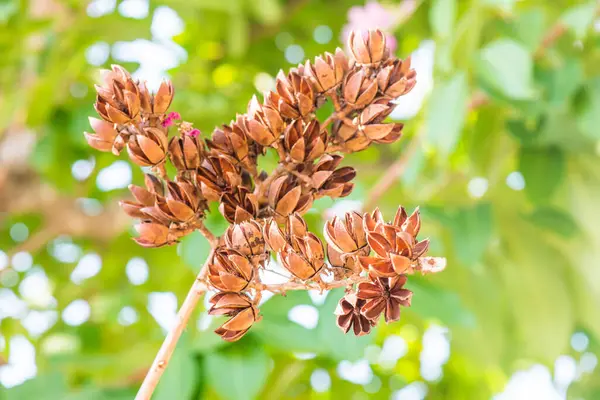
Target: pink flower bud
(167, 122)
(174, 115)
(194, 133)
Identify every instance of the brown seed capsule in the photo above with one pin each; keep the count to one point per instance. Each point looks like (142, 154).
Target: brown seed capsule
(278, 239)
(148, 147)
(396, 78)
(264, 123)
(246, 237)
(230, 271)
(368, 47)
(232, 141)
(396, 250)
(359, 90)
(159, 103)
(240, 308)
(184, 204)
(305, 257)
(217, 175)
(349, 315)
(327, 71)
(286, 197)
(347, 240)
(332, 182)
(304, 142)
(153, 235)
(186, 152)
(294, 96)
(145, 197)
(118, 100)
(239, 205)
(384, 295)
(105, 136)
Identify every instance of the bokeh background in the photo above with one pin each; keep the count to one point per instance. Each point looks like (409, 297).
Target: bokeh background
(501, 150)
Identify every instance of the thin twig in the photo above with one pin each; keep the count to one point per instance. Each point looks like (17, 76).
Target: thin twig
(166, 350)
(212, 239)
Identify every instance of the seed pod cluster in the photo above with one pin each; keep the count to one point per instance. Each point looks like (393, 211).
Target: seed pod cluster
(368, 255)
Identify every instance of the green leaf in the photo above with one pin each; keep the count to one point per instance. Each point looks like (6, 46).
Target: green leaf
(180, 378)
(543, 170)
(579, 18)
(507, 67)
(48, 387)
(472, 230)
(432, 302)
(528, 27)
(445, 123)
(194, 249)
(552, 219)
(442, 15)
(588, 119)
(238, 372)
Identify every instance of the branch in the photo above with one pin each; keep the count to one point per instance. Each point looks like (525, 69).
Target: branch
(166, 350)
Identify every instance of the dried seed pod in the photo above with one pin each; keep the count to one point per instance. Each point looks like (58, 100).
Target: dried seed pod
(229, 270)
(278, 239)
(349, 315)
(305, 257)
(186, 152)
(327, 71)
(183, 204)
(158, 103)
(359, 89)
(346, 241)
(396, 250)
(239, 205)
(118, 100)
(217, 175)
(233, 141)
(332, 182)
(384, 295)
(240, 308)
(294, 96)
(285, 197)
(105, 138)
(396, 78)
(145, 197)
(154, 235)
(304, 142)
(264, 123)
(246, 237)
(148, 147)
(368, 47)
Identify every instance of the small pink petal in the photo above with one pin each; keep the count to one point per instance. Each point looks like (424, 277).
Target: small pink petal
(194, 133)
(174, 115)
(167, 122)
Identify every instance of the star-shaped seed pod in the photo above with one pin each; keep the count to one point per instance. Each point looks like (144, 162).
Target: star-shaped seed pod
(246, 237)
(396, 78)
(278, 239)
(346, 239)
(118, 100)
(148, 146)
(156, 104)
(368, 47)
(240, 308)
(327, 71)
(233, 141)
(105, 136)
(332, 182)
(238, 205)
(186, 152)
(218, 174)
(264, 123)
(304, 142)
(286, 196)
(349, 315)
(145, 197)
(229, 270)
(293, 96)
(396, 249)
(305, 257)
(359, 89)
(384, 295)
(183, 204)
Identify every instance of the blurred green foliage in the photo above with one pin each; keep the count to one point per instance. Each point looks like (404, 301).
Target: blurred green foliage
(523, 272)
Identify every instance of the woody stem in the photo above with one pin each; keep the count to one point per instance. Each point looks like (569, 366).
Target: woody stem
(284, 287)
(166, 350)
(341, 114)
(212, 239)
